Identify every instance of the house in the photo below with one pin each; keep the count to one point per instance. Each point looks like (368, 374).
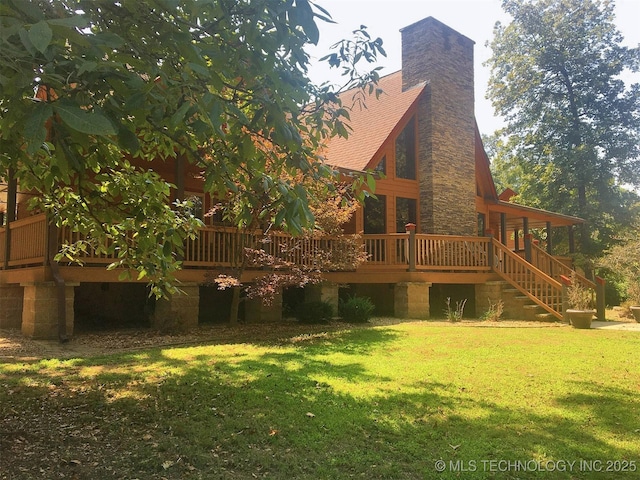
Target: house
(436, 226)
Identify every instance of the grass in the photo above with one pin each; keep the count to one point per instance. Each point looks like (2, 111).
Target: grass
(384, 402)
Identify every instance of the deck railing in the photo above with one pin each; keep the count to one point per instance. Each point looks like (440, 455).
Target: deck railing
(91, 256)
(452, 253)
(555, 268)
(28, 242)
(386, 250)
(221, 247)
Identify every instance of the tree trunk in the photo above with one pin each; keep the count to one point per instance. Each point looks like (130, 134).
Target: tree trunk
(235, 305)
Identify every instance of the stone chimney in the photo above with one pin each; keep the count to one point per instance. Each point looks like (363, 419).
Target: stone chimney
(434, 53)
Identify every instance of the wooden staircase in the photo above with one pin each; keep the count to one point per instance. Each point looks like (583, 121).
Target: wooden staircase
(536, 285)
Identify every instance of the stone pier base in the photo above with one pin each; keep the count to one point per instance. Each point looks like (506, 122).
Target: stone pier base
(40, 310)
(487, 293)
(411, 300)
(11, 299)
(178, 312)
(323, 292)
(257, 312)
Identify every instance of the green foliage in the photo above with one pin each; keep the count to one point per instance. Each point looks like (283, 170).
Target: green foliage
(572, 137)
(624, 260)
(221, 85)
(314, 312)
(356, 309)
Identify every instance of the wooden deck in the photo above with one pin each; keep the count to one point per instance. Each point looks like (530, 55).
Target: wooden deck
(392, 258)
(221, 247)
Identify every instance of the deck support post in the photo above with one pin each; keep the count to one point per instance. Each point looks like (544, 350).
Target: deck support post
(600, 300)
(12, 193)
(11, 300)
(549, 242)
(255, 311)
(40, 309)
(528, 240)
(410, 228)
(566, 282)
(503, 228)
(323, 292)
(572, 241)
(488, 293)
(411, 300)
(179, 311)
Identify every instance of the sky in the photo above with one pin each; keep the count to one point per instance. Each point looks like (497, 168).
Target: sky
(473, 18)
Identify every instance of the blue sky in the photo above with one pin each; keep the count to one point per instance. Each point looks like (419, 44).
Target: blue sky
(472, 18)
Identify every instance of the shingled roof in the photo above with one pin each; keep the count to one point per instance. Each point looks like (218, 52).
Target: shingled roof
(371, 125)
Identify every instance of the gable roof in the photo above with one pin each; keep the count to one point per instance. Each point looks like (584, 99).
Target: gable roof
(486, 185)
(371, 125)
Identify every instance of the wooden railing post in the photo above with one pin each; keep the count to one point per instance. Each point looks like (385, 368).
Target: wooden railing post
(566, 282)
(410, 228)
(600, 301)
(528, 239)
(491, 252)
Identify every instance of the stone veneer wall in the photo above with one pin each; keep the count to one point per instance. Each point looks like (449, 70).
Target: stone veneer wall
(11, 299)
(433, 52)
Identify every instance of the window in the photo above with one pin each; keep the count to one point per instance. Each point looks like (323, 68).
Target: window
(197, 209)
(375, 214)
(406, 152)
(405, 213)
(381, 167)
(481, 224)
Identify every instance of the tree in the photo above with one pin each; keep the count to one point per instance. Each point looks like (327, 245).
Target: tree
(123, 84)
(287, 261)
(572, 137)
(622, 261)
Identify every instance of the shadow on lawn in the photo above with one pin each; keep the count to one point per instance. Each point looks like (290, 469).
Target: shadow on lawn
(266, 414)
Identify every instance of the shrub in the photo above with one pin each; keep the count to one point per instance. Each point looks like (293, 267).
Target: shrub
(579, 297)
(624, 260)
(455, 315)
(314, 312)
(495, 311)
(357, 309)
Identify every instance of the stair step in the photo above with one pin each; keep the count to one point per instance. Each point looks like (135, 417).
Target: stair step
(531, 306)
(545, 317)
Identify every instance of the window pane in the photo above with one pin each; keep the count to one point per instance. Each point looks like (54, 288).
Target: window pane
(406, 152)
(405, 213)
(375, 215)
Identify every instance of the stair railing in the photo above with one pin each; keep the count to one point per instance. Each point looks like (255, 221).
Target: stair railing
(539, 287)
(556, 270)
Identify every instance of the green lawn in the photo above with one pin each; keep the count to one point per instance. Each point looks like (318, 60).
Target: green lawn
(383, 402)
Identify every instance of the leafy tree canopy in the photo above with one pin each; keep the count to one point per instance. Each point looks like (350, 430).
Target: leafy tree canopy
(572, 137)
(93, 91)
